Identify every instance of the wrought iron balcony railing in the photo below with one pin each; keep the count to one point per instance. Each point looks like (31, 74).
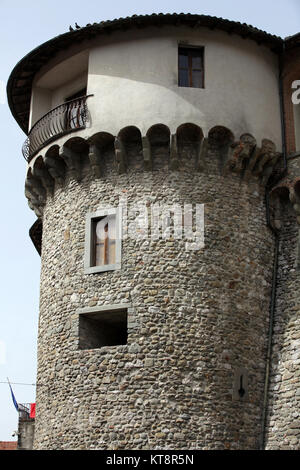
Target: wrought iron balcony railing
(65, 118)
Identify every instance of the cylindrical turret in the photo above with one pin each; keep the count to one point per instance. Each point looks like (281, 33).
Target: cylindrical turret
(149, 152)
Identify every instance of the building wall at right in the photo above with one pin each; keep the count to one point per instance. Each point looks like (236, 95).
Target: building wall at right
(283, 420)
(291, 73)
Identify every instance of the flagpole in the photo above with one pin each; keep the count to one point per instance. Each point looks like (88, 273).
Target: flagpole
(8, 382)
(13, 396)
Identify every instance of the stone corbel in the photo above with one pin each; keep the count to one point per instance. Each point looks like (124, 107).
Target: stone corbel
(120, 155)
(36, 195)
(293, 196)
(262, 161)
(247, 147)
(240, 153)
(72, 161)
(201, 155)
(95, 160)
(230, 156)
(174, 157)
(251, 163)
(31, 195)
(266, 154)
(269, 167)
(56, 168)
(45, 178)
(147, 155)
(34, 186)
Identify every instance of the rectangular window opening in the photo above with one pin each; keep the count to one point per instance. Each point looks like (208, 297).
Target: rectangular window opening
(103, 328)
(103, 241)
(191, 67)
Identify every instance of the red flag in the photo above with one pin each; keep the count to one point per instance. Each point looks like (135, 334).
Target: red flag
(32, 410)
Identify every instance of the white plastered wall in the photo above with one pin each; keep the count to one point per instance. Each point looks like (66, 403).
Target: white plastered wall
(133, 77)
(57, 84)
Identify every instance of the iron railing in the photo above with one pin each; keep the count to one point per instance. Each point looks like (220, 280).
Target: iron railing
(67, 117)
(24, 410)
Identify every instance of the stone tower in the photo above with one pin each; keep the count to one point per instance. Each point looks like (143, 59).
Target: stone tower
(162, 165)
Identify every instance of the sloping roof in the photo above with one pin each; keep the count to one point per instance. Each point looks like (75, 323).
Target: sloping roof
(8, 445)
(20, 81)
(292, 41)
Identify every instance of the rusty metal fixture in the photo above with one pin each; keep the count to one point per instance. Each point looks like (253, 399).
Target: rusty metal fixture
(63, 119)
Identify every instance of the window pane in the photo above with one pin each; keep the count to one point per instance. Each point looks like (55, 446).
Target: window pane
(197, 79)
(183, 60)
(99, 255)
(111, 227)
(183, 77)
(197, 62)
(111, 248)
(105, 241)
(111, 252)
(100, 238)
(100, 229)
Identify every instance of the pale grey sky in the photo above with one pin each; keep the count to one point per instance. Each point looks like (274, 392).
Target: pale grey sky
(24, 26)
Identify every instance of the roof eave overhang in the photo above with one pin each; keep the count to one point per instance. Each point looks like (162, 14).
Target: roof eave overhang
(20, 81)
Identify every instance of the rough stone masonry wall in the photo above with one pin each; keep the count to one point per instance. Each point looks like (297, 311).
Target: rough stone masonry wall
(283, 426)
(196, 316)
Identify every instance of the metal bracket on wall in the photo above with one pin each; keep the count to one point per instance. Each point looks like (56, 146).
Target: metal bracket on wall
(240, 384)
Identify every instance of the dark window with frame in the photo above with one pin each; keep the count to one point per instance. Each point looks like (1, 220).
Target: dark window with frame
(191, 67)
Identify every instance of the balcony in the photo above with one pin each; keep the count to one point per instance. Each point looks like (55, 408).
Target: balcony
(68, 117)
(24, 410)
(26, 424)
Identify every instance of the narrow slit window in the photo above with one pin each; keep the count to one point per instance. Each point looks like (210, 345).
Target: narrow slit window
(191, 67)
